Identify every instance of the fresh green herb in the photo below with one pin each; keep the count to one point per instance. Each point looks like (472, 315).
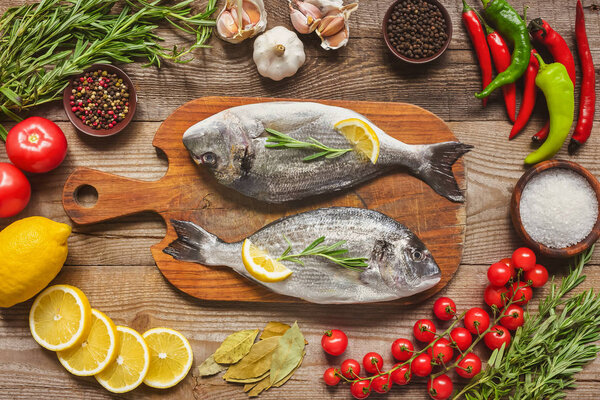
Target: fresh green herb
(278, 139)
(333, 253)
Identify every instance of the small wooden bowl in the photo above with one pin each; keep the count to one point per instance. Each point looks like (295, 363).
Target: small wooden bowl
(516, 214)
(417, 60)
(119, 126)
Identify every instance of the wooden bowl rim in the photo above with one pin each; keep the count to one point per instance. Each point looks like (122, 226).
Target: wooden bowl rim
(572, 250)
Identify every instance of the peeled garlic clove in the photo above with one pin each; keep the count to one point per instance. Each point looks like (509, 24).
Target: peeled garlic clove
(331, 25)
(249, 17)
(226, 26)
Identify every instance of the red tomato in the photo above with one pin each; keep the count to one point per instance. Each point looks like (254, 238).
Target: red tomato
(498, 336)
(441, 351)
(401, 376)
(469, 365)
(382, 384)
(520, 293)
(36, 145)
(373, 363)
(424, 330)
(477, 320)
(361, 389)
(444, 308)
(421, 365)
(513, 317)
(440, 388)
(331, 377)
(350, 368)
(15, 190)
(495, 296)
(523, 258)
(461, 338)
(402, 349)
(537, 276)
(500, 273)
(334, 342)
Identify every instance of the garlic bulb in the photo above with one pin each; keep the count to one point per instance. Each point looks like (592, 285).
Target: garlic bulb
(278, 53)
(241, 19)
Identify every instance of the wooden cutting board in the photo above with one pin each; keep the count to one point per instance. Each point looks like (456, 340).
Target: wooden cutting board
(188, 192)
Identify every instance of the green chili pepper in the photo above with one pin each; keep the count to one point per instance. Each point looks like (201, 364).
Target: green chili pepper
(553, 79)
(512, 27)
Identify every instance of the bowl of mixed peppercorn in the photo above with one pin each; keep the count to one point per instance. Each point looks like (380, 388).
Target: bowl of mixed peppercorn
(101, 101)
(417, 31)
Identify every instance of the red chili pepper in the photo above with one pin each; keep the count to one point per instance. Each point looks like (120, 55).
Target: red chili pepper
(542, 133)
(502, 59)
(529, 95)
(587, 101)
(475, 30)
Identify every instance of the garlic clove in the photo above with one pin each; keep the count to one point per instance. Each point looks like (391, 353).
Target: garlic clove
(226, 26)
(252, 10)
(309, 9)
(246, 23)
(299, 21)
(331, 24)
(336, 41)
(249, 17)
(333, 29)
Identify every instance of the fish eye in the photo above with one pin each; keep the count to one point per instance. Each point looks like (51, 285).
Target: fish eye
(418, 255)
(209, 158)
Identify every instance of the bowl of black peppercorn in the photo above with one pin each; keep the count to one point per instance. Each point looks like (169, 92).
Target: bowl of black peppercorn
(417, 31)
(101, 101)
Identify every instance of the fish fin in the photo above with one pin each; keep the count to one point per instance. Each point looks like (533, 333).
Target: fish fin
(438, 171)
(192, 244)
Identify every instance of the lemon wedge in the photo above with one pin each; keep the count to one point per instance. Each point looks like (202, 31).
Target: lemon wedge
(170, 357)
(60, 317)
(261, 265)
(362, 137)
(97, 350)
(130, 367)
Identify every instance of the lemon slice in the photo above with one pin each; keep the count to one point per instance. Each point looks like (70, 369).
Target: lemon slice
(60, 317)
(362, 137)
(170, 357)
(261, 266)
(97, 350)
(130, 367)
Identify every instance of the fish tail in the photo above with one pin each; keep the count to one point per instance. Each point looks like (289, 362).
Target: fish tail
(437, 171)
(193, 243)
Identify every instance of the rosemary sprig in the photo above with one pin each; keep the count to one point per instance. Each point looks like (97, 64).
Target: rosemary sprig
(278, 139)
(332, 252)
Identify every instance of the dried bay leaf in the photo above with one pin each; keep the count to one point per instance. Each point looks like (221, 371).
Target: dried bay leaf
(287, 378)
(260, 387)
(210, 367)
(248, 380)
(288, 354)
(235, 346)
(274, 328)
(256, 362)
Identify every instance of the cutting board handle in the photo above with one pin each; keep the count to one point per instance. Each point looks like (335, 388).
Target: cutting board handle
(117, 196)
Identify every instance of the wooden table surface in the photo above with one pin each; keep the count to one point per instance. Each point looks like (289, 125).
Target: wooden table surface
(112, 264)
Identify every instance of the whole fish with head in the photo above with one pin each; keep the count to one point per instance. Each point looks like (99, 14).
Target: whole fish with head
(231, 144)
(399, 264)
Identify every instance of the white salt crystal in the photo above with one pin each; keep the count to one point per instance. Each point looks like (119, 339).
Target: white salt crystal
(558, 208)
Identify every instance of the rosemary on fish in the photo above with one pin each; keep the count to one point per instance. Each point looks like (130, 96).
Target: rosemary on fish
(332, 252)
(278, 139)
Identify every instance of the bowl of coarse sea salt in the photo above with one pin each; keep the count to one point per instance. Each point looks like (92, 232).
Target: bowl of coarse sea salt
(554, 208)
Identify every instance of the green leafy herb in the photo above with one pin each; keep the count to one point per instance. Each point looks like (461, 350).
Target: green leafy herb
(332, 252)
(235, 346)
(288, 355)
(210, 367)
(278, 140)
(256, 363)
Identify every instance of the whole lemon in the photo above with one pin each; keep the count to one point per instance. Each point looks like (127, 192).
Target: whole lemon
(32, 252)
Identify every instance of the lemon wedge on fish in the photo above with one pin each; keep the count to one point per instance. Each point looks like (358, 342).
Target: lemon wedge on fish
(261, 265)
(362, 137)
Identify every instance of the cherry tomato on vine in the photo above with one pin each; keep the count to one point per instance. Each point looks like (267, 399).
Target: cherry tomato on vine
(361, 389)
(334, 342)
(15, 190)
(538, 276)
(331, 377)
(424, 330)
(521, 293)
(441, 351)
(373, 363)
(382, 384)
(401, 376)
(402, 349)
(440, 388)
(469, 365)
(477, 320)
(513, 317)
(444, 308)
(523, 258)
(421, 365)
(500, 273)
(495, 296)
(350, 368)
(461, 338)
(498, 336)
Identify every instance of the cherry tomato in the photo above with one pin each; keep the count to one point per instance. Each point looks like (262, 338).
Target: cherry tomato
(15, 190)
(361, 389)
(477, 320)
(373, 363)
(495, 338)
(500, 273)
(537, 276)
(36, 145)
(513, 317)
(331, 377)
(440, 388)
(334, 342)
(441, 351)
(520, 293)
(424, 330)
(469, 365)
(461, 338)
(402, 349)
(401, 376)
(421, 365)
(495, 296)
(523, 258)
(382, 384)
(444, 308)
(350, 368)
